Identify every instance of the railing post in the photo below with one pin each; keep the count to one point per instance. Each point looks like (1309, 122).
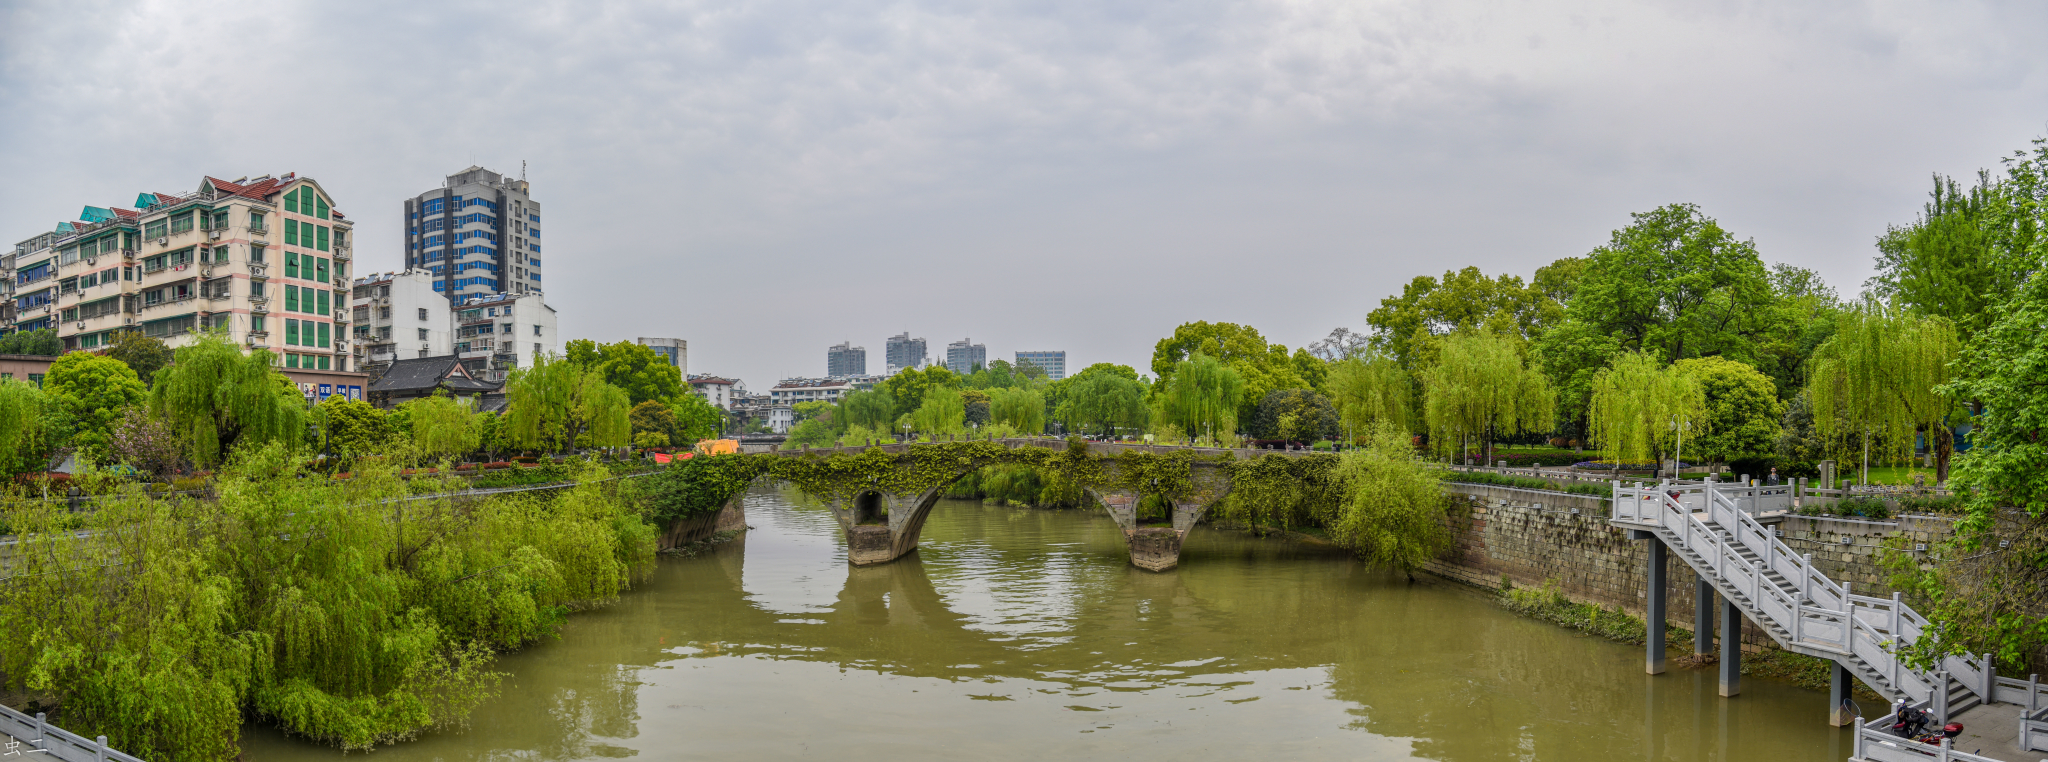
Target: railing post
(99, 749)
(1806, 576)
(1857, 745)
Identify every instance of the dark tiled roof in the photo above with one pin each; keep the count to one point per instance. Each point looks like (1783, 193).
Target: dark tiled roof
(418, 373)
(491, 403)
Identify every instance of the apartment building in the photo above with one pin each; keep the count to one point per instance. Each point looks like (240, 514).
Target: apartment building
(964, 356)
(399, 316)
(845, 359)
(795, 390)
(499, 333)
(903, 352)
(263, 260)
(479, 234)
(716, 390)
(1054, 363)
(676, 350)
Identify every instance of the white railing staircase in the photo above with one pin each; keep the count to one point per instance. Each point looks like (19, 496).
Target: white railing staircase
(1706, 525)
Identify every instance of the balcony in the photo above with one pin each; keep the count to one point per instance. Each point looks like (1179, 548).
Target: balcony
(259, 305)
(341, 253)
(259, 231)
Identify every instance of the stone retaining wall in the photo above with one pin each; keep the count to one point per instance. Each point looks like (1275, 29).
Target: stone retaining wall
(1530, 537)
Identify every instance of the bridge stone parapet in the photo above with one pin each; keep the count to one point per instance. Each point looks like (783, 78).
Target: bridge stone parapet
(882, 494)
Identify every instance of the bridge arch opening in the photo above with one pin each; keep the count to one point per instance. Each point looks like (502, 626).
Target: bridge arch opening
(870, 509)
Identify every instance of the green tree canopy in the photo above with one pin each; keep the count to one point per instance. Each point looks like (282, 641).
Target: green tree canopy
(944, 411)
(42, 341)
(1103, 402)
(1369, 388)
(1742, 408)
(1481, 387)
(1295, 415)
(909, 386)
(2007, 466)
(653, 417)
(1410, 325)
(871, 409)
(560, 403)
(351, 427)
(444, 427)
(218, 399)
(31, 427)
(145, 354)
(1203, 396)
(1882, 372)
(1965, 253)
(696, 418)
(1263, 366)
(1019, 408)
(94, 391)
(642, 373)
(977, 406)
(1393, 509)
(1641, 405)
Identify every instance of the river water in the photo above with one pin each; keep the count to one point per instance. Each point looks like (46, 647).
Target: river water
(1024, 634)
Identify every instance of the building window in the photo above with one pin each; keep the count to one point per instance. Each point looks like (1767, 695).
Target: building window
(423, 313)
(536, 330)
(423, 334)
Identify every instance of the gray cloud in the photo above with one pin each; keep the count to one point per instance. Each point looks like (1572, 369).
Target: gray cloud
(766, 178)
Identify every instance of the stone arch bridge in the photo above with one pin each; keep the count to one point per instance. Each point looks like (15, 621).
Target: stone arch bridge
(883, 494)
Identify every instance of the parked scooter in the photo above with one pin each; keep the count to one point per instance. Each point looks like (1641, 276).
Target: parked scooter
(1908, 722)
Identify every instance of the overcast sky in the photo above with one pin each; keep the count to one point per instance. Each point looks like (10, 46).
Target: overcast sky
(767, 178)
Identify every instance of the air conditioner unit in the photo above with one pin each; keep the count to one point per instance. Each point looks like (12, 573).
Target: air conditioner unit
(213, 236)
(163, 241)
(81, 325)
(206, 272)
(91, 260)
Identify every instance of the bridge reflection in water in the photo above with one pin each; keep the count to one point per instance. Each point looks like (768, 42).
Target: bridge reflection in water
(1026, 634)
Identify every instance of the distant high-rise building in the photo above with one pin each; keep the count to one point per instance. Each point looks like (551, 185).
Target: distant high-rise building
(905, 352)
(479, 234)
(1053, 363)
(676, 350)
(964, 356)
(845, 359)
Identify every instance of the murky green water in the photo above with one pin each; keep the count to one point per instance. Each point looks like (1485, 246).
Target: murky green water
(1024, 634)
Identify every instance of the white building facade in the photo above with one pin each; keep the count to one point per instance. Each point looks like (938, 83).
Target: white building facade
(397, 316)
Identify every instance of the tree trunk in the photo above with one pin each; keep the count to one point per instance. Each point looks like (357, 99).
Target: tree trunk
(1944, 447)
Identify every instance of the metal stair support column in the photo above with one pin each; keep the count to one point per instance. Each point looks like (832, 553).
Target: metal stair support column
(1653, 604)
(1703, 597)
(1840, 712)
(1731, 649)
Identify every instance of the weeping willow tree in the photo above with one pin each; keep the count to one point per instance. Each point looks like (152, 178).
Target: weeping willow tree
(1019, 408)
(318, 605)
(556, 402)
(1641, 408)
(1392, 513)
(1881, 373)
(1482, 386)
(1370, 389)
(944, 411)
(1203, 395)
(217, 399)
(443, 426)
(29, 434)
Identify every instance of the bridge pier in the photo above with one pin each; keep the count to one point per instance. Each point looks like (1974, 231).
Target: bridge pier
(1703, 596)
(1654, 600)
(1840, 712)
(1731, 649)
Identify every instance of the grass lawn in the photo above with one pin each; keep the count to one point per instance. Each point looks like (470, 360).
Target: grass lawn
(1898, 475)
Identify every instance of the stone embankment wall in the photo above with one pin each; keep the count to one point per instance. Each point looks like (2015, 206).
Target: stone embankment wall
(731, 518)
(1533, 537)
